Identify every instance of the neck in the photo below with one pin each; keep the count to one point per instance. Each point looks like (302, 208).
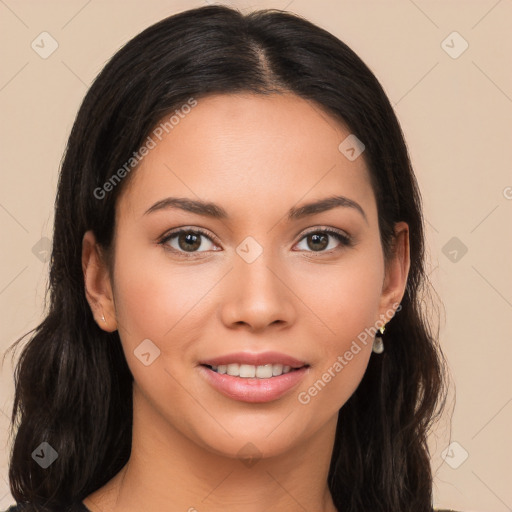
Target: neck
(168, 472)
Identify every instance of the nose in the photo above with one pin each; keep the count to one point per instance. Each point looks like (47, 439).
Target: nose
(257, 295)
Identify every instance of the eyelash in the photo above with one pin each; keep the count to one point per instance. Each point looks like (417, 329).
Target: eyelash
(345, 240)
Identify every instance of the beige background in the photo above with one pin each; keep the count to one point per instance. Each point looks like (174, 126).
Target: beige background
(456, 114)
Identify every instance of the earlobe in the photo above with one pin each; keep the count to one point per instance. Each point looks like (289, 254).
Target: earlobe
(98, 289)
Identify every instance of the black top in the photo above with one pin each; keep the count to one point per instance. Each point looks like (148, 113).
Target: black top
(80, 507)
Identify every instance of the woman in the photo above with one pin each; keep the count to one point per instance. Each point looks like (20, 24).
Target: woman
(236, 278)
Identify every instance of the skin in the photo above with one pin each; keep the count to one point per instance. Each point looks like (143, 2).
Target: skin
(256, 156)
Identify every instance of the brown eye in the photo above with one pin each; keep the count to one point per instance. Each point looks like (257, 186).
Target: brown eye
(319, 240)
(188, 241)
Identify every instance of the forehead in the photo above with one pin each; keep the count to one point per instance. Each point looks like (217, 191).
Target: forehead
(242, 149)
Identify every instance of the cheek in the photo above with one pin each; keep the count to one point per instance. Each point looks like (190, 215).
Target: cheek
(157, 306)
(159, 300)
(149, 291)
(344, 296)
(346, 299)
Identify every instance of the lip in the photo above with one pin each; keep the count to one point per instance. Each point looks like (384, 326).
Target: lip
(256, 359)
(253, 390)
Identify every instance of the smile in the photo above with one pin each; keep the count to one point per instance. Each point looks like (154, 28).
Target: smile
(251, 371)
(253, 388)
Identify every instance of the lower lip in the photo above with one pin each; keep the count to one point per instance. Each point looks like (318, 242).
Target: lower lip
(253, 390)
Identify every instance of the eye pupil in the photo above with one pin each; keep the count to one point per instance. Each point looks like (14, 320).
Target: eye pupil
(190, 238)
(317, 239)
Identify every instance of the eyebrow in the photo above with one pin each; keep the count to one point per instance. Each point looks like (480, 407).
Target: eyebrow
(208, 209)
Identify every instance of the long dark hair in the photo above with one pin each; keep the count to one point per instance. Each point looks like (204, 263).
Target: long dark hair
(73, 385)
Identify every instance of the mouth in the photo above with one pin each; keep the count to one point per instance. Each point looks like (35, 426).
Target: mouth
(249, 371)
(253, 384)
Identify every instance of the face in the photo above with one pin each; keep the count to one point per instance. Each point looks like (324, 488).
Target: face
(190, 287)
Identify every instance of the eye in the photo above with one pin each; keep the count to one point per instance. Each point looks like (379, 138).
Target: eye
(320, 240)
(185, 241)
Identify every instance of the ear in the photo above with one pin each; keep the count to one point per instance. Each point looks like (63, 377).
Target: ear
(396, 272)
(98, 286)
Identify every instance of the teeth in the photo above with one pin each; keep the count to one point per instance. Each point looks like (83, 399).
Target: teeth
(277, 369)
(250, 371)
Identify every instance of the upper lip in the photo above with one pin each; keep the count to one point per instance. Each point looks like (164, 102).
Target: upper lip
(255, 359)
